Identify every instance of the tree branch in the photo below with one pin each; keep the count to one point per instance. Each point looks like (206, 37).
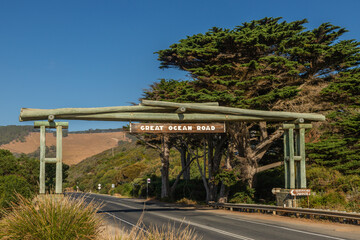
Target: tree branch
(262, 147)
(147, 143)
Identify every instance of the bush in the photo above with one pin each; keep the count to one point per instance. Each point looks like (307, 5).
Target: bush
(9, 186)
(125, 189)
(244, 197)
(328, 200)
(51, 217)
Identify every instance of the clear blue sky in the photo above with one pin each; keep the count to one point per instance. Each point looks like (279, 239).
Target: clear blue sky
(91, 53)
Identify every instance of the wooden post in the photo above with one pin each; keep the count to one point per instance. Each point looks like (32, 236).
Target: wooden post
(291, 158)
(58, 160)
(294, 155)
(302, 161)
(42, 160)
(58, 186)
(286, 157)
(297, 159)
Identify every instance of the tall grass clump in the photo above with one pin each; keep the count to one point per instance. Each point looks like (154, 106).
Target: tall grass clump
(169, 232)
(51, 217)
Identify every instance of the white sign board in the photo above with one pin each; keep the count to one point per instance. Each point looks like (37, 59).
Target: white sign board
(300, 192)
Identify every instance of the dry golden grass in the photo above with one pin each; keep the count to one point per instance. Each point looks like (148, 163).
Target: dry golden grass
(169, 232)
(57, 217)
(51, 217)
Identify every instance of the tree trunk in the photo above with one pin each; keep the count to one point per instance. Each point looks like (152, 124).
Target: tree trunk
(249, 155)
(215, 153)
(185, 158)
(164, 155)
(224, 190)
(224, 193)
(172, 189)
(203, 176)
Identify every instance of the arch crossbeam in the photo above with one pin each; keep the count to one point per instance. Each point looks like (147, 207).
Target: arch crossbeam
(167, 112)
(161, 111)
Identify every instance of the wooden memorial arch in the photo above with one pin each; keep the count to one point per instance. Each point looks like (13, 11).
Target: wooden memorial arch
(181, 117)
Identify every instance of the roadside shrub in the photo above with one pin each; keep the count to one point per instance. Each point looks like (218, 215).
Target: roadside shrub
(51, 217)
(9, 186)
(125, 189)
(186, 201)
(328, 200)
(244, 196)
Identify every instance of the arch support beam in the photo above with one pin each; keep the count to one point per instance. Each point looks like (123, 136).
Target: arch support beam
(294, 155)
(58, 160)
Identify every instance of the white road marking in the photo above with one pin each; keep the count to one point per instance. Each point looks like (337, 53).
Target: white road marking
(285, 228)
(122, 220)
(228, 233)
(189, 223)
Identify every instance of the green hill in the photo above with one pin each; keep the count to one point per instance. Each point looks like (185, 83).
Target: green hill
(128, 169)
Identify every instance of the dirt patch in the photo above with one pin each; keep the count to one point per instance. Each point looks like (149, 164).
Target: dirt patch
(76, 147)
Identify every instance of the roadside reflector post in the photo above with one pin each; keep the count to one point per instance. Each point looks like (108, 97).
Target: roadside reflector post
(58, 160)
(147, 187)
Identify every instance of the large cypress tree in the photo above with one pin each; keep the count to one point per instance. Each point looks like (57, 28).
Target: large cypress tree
(258, 63)
(263, 64)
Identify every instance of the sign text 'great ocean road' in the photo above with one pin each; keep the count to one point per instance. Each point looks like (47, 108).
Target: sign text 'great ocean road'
(177, 127)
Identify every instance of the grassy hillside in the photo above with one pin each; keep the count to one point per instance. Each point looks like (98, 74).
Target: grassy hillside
(121, 165)
(128, 169)
(12, 132)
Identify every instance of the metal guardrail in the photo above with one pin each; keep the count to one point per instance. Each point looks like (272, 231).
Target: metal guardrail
(337, 216)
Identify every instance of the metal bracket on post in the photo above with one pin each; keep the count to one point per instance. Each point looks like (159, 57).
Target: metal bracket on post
(58, 160)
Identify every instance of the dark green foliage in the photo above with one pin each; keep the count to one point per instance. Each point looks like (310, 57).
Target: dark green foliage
(17, 175)
(7, 163)
(266, 181)
(245, 196)
(333, 190)
(228, 177)
(256, 63)
(340, 147)
(345, 89)
(50, 170)
(273, 65)
(192, 189)
(21, 175)
(12, 132)
(12, 184)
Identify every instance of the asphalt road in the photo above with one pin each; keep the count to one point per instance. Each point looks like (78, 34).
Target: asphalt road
(210, 224)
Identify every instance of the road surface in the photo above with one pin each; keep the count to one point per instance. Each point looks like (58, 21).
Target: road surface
(216, 224)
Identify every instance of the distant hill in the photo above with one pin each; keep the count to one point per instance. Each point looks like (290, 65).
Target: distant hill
(76, 146)
(14, 133)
